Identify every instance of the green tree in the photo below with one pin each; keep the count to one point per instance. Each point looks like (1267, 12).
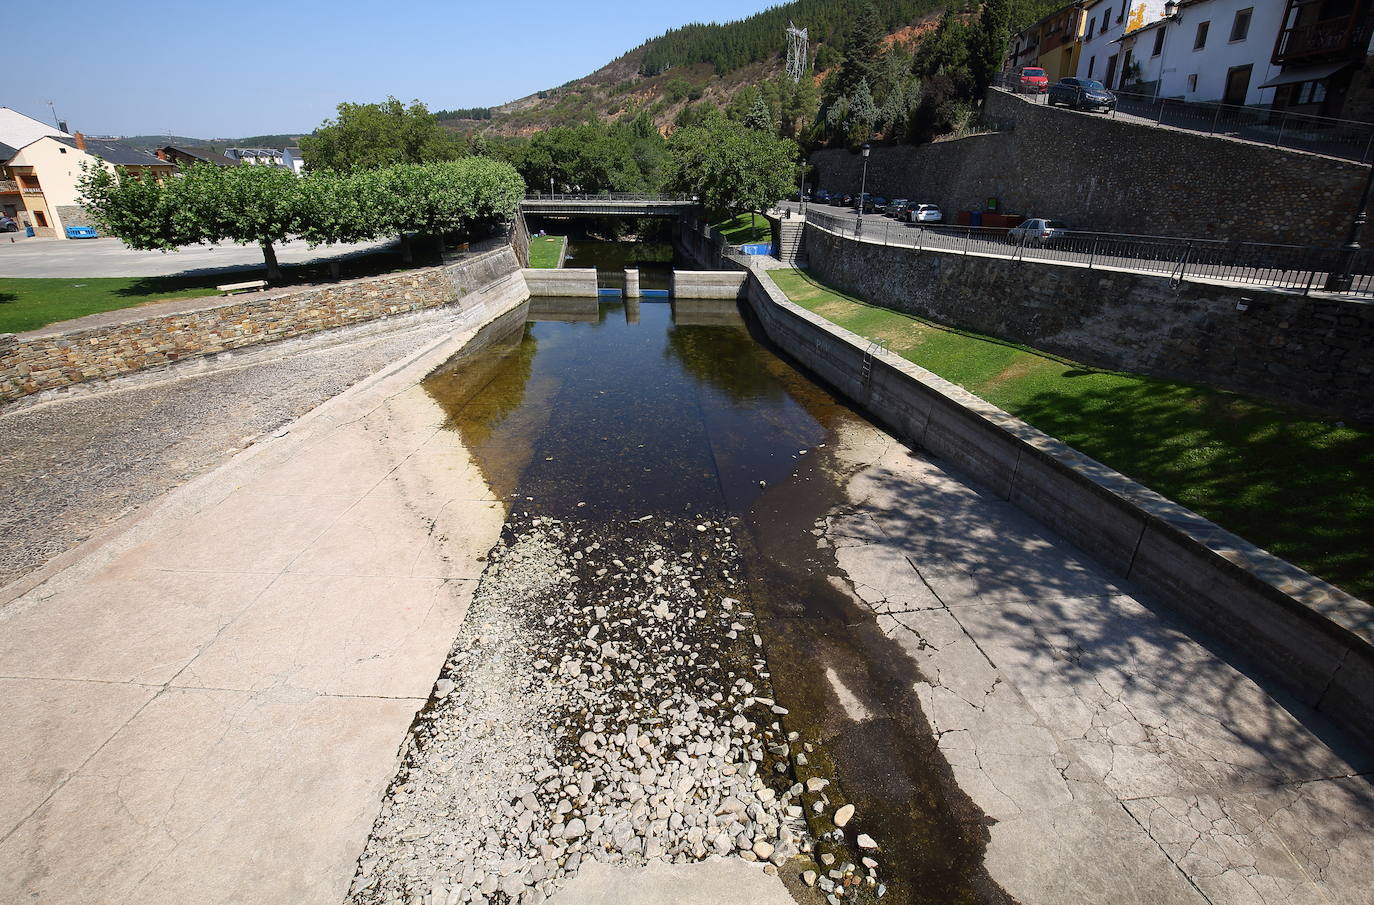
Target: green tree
(989, 43)
(862, 50)
(730, 168)
(367, 136)
(760, 118)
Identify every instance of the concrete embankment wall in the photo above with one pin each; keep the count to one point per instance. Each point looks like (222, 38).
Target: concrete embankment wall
(571, 282)
(709, 284)
(1116, 176)
(52, 360)
(1313, 350)
(1305, 633)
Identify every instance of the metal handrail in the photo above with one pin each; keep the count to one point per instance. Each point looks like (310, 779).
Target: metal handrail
(1297, 267)
(610, 196)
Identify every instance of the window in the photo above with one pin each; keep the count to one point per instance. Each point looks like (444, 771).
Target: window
(62, 150)
(1200, 40)
(1192, 83)
(1159, 42)
(1311, 92)
(1092, 26)
(1091, 62)
(1240, 29)
(40, 218)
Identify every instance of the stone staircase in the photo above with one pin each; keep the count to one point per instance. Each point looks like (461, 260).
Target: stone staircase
(789, 248)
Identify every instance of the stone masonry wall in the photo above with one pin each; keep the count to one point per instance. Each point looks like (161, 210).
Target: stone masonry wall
(1313, 351)
(1109, 175)
(51, 360)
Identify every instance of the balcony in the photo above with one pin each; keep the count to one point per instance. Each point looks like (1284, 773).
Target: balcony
(8, 187)
(1316, 41)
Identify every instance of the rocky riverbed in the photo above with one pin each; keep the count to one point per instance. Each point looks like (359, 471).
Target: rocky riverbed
(609, 699)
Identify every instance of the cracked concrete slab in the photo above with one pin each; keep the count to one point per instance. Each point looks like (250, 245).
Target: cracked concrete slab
(719, 880)
(210, 703)
(1123, 757)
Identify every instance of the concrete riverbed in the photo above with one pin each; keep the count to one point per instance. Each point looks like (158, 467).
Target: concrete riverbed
(650, 617)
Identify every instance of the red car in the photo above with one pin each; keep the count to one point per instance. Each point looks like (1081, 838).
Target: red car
(1034, 80)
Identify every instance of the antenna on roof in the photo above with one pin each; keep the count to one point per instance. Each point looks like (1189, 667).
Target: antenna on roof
(798, 48)
(61, 126)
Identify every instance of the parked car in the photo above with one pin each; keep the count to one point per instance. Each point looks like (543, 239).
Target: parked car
(1033, 80)
(842, 200)
(873, 204)
(895, 207)
(1038, 231)
(1082, 94)
(7, 224)
(822, 196)
(924, 213)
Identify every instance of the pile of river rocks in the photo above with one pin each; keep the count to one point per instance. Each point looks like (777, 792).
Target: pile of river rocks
(607, 699)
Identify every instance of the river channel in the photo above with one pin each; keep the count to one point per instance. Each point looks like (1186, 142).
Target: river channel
(637, 440)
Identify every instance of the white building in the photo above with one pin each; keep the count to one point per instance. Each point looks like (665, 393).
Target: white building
(1108, 20)
(49, 169)
(293, 160)
(1208, 50)
(267, 157)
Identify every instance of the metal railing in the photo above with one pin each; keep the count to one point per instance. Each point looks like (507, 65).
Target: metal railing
(1348, 139)
(1296, 267)
(642, 197)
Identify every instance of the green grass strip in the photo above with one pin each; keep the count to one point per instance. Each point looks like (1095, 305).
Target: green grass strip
(746, 229)
(545, 251)
(27, 304)
(1299, 485)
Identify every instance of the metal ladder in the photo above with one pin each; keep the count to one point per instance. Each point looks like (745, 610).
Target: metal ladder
(867, 369)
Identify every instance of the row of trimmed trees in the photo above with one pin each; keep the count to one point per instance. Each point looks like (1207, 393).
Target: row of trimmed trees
(265, 205)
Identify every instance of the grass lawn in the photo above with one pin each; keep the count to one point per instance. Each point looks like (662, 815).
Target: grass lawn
(545, 251)
(1300, 486)
(745, 229)
(27, 304)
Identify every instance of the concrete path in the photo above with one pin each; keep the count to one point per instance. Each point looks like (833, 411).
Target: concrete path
(112, 258)
(719, 881)
(1121, 759)
(207, 707)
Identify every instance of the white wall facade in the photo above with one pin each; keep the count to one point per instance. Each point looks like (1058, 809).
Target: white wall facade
(1200, 74)
(58, 168)
(1107, 21)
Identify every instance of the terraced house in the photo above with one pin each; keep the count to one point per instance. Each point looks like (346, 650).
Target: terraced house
(48, 169)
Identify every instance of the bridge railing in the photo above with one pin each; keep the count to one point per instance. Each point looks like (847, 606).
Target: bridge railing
(640, 197)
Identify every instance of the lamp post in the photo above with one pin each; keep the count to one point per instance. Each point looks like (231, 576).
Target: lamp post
(1344, 277)
(550, 186)
(863, 191)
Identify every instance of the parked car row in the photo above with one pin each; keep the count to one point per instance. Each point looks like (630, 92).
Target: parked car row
(1080, 94)
(900, 209)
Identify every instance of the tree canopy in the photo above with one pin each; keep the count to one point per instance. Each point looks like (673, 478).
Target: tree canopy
(368, 136)
(266, 205)
(730, 167)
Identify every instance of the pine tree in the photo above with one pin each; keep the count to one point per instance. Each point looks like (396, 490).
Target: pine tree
(862, 50)
(990, 43)
(759, 118)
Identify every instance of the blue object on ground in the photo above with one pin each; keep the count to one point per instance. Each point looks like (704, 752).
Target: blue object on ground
(81, 232)
(761, 248)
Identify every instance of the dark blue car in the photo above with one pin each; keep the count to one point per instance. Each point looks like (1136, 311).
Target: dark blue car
(1082, 94)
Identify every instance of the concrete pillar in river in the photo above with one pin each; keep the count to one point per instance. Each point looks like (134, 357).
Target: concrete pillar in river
(632, 283)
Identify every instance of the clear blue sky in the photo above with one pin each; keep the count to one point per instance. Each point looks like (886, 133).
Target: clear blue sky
(235, 68)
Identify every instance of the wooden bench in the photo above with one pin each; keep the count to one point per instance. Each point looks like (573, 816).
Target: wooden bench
(231, 288)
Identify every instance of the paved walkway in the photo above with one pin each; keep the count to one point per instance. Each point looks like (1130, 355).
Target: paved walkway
(207, 707)
(111, 258)
(1121, 758)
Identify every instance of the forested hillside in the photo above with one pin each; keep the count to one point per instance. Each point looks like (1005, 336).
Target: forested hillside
(675, 76)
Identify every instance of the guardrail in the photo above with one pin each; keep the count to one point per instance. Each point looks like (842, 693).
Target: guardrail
(1344, 138)
(1295, 267)
(613, 196)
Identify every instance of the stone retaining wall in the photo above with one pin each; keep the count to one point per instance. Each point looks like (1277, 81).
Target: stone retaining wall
(54, 359)
(1315, 351)
(708, 284)
(570, 282)
(1116, 176)
(1306, 634)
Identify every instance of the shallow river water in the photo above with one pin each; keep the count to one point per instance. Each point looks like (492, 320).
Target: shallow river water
(626, 435)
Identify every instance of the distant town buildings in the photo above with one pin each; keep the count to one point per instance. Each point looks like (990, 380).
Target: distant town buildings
(1308, 56)
(186, 157)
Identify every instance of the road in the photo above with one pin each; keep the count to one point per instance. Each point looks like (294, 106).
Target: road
(62, 258)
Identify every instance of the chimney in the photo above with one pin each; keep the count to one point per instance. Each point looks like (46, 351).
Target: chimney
(80, 141)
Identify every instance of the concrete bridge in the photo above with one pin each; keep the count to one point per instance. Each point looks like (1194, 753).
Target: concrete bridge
(609, 205)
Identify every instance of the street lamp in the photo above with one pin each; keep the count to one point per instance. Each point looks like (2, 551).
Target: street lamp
(550, 186)
(863, 190)
(1343, 277)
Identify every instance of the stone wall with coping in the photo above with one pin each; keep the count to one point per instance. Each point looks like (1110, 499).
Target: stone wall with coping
(1304, 633)
(1315, 351)
(1111, 175)
(708, 284)
(54, 359)
(570, 282)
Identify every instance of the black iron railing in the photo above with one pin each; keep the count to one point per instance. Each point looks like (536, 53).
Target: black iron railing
(1348, 139)
(1296, 267)
(642, 197)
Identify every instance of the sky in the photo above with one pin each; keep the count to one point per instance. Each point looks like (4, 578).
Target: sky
(234, 69)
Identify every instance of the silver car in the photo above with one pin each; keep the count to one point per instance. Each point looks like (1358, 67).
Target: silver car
(1038, 231)
(925, 213)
